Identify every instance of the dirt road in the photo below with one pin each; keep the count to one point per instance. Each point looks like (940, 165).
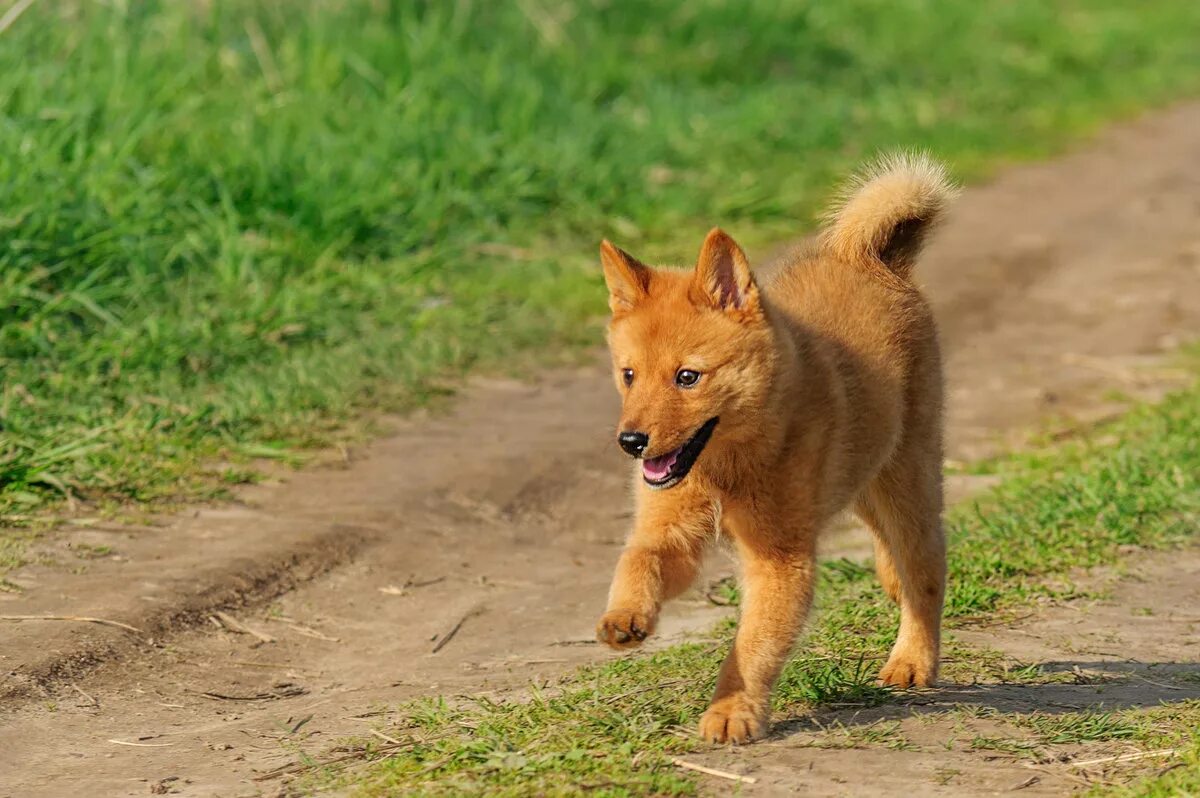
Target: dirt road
(501, 519)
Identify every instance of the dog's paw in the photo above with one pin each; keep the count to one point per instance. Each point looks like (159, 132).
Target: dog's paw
(905, 669)
(624, 628)
(734, 720)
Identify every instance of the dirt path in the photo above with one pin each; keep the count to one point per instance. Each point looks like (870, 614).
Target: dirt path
(1053, 284)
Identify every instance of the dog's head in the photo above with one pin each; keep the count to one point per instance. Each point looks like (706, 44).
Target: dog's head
(692, 355)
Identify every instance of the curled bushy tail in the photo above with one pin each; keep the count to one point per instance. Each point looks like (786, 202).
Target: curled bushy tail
(886, 210)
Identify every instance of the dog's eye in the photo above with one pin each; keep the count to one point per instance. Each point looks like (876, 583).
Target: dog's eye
(627, 375)
(686, 378)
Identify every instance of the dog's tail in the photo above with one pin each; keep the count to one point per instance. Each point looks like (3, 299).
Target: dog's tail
(885, 212)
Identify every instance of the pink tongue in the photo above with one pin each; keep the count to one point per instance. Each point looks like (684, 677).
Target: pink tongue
(657, 468)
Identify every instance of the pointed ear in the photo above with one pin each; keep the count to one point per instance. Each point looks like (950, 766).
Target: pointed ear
(627, 278)
(722, 277)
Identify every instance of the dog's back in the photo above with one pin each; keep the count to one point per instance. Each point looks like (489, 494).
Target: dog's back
(851, 293)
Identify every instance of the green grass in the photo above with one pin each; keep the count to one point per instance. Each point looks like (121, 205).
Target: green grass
(1169, 727)
(1085, 727)
(1170, 731)
(1175, 728)
(227, 229)
(612, 727)
(1179, 778)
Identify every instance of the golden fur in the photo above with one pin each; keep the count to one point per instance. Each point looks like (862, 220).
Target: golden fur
(827, 384)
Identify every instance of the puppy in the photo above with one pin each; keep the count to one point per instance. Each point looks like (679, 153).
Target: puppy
(760, 409)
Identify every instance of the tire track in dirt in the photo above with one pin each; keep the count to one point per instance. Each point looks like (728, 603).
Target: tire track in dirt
(1052, 284)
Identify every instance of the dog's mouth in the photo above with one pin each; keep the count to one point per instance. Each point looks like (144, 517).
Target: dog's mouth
(670, 468)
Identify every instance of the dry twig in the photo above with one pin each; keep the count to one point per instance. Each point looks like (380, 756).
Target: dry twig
(720, 774)
(77, 689)
(1125, 757)
(79, 618)
(1164, 771)
(645, 688)
(300, 723)
(234, 625)
(446, 638)
(287, 666)
(282, 690)
(385, 738)
(308, 631)
(14, 13)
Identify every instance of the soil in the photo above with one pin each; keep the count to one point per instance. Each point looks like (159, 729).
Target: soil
(470, 551)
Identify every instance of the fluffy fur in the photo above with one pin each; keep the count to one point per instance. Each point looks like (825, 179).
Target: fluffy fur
(827, 384)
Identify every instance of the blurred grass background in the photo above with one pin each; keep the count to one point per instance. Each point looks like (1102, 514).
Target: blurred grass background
(227, 228)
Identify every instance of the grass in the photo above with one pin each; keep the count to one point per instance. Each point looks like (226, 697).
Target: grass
(612, 727)
(1166, 728)
(1178, 777)
(1178, 728)
(1085, 727)
(229, 229)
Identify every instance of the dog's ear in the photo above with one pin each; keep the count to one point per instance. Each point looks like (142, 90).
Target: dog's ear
(722, 279)
(628, 279)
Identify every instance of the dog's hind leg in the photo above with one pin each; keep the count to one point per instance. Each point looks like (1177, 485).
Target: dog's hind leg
(903, 507)
(885, 569)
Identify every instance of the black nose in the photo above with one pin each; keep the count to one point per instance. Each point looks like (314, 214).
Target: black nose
(634, 443)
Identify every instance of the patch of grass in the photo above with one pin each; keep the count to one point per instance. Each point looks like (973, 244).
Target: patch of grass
(1175, 727)
(1044, 730)
(233, 226)
(88, 551)
(1082, 727)
(1176, 776)
(1075, 507)
(964, 663)
(615, 724)
(1168, 731)
(1005, 745)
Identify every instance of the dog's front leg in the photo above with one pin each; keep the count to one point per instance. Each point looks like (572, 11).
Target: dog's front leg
(660, 561)
(777, 588)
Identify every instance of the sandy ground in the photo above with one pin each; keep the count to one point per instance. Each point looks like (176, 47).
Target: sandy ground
(1055, 285)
